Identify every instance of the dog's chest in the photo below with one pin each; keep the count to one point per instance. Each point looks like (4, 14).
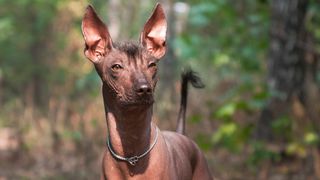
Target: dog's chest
(160, 165)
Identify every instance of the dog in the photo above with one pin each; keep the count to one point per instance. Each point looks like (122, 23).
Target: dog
(136, 148)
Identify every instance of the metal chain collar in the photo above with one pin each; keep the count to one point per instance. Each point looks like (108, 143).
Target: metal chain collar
(134, 159)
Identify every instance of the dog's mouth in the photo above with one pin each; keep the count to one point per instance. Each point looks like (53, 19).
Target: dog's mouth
(145, 100)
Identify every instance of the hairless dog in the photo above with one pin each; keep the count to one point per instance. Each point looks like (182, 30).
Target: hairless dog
(136, 148)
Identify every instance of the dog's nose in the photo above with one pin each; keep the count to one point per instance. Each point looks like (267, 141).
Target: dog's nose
(143, 89)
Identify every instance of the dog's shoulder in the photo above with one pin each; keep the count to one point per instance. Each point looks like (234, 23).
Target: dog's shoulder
(181, 144)
(184, 150)
(177, 138)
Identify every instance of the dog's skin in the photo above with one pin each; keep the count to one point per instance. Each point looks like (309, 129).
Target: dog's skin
(129, 75)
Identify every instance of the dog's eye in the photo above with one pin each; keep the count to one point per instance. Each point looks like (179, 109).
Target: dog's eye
(153, 64)
(116, 67)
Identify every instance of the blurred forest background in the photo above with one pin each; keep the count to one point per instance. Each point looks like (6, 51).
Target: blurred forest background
(257, 118)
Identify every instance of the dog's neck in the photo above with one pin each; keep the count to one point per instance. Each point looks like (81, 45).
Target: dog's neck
(130, 129)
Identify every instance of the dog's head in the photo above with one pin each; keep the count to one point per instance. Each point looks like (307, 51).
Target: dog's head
(128, 70)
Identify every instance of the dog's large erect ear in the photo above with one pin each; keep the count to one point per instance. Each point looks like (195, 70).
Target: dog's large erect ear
(153, 36)
(96, 36)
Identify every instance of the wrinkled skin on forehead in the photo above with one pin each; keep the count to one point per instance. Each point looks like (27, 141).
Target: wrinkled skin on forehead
(123, 69)
(128, 70)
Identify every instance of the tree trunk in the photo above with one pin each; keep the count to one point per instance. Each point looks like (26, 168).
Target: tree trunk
(286, 62)
(1, 88)
(169, 64)
(168, 67)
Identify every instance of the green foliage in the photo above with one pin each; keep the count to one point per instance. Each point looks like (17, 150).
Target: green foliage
(195, 118)
(22, 41)
(230, 133)
(295, 148)
(235, 104)
(260, 152)
(221, 34)
(230, 38)
(311, 138)
(226, 136)
(203, 142)
(88, 83)
(282, 127)
(225, 40)
(73, 135)
(299, 146)
(226, 111)
(232, 136)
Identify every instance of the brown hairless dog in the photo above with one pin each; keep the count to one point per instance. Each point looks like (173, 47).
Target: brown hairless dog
(136, 148)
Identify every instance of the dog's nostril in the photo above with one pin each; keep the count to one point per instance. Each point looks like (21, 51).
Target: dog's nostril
(144, 89)
(149, 90)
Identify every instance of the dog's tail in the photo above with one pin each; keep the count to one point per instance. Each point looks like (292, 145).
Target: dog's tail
(187, 76)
